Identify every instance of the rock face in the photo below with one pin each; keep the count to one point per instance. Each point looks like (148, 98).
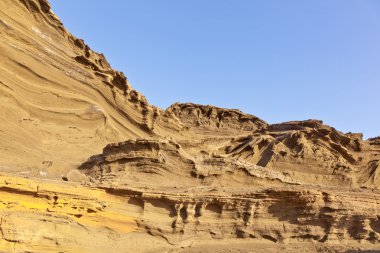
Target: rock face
(191, 178)
(59, 96)
(284, 183)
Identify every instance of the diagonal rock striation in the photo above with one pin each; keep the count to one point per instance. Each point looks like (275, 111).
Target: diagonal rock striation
(88, 165)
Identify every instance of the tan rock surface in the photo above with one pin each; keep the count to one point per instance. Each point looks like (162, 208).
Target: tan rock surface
(89, 166)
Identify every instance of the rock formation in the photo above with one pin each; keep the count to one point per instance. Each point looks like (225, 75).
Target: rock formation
(88, 165)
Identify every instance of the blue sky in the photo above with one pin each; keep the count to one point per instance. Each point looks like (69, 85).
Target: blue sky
(276, 59)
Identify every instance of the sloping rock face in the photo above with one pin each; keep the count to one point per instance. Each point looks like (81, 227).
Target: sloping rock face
(59, 96)
(88, 165)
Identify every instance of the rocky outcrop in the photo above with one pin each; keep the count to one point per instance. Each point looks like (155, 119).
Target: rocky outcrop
(191, 178)
(45, 215)
(282, 215)
(59, 96)
(210, 119)
(284, 183)
(304, 147)
(40, 216)
(162, 164)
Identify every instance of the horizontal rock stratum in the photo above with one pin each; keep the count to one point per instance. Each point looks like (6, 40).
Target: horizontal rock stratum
(88, 165)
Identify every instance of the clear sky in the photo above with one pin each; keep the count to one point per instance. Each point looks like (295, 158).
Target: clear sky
(280, 60)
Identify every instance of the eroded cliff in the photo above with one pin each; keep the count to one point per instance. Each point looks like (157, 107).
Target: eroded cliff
(88, 165)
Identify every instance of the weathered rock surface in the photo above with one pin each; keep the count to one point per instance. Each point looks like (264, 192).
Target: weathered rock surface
(191, 178)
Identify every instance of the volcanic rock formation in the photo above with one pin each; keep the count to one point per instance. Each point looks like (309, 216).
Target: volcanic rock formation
(88, 165)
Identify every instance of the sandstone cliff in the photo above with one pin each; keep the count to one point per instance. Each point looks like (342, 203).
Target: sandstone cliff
(88, 165)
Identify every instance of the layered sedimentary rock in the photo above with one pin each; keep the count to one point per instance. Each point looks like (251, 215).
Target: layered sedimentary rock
(284, 183)
(88, 165)
(59, 96)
